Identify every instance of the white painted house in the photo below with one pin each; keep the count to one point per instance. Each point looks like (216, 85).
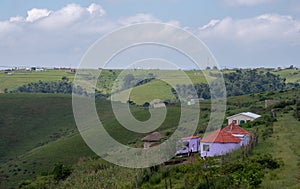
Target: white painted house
(243, 117)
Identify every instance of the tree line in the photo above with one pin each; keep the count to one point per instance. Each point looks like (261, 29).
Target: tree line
(237, 83)
(63, 86)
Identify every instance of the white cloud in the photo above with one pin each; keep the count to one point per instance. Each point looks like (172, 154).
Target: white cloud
(16, 19)
(238, 3)
(36, 14)
(56, 37)
(271, 28)
(139, 18)
(96, 9)
(211, 24)
(60, 37)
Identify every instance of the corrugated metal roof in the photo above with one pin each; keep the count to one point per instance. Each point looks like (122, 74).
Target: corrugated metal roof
(248, 114)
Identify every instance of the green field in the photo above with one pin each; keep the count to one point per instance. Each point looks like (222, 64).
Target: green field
(19, 78)
(285, 145)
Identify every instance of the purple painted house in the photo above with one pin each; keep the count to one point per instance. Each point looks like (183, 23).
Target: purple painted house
(218, 143)
(188, 145)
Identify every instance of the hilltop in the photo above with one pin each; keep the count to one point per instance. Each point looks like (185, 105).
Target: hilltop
(148, 85)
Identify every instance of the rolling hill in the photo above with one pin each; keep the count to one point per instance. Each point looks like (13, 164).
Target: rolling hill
(38, 130)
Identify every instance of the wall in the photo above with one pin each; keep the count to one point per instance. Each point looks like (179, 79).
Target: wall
(239, 118)
(193, 145)
(218, 148)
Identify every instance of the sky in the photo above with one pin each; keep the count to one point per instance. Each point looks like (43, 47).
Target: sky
(239, 33)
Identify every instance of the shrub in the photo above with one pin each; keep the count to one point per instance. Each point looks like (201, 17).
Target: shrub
(155, 179)
(61, 171)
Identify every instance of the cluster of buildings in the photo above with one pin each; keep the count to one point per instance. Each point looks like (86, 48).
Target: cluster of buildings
(216, 143)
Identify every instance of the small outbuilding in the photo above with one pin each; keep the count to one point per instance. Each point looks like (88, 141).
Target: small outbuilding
(188, 145)
(242, 118)
(152, 139)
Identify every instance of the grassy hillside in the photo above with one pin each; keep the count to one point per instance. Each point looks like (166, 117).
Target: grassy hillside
(91, 172)
(285, 145)
(291, 75)
(19, 78)
(108, 77)
(38, 130)
(28, 121)
(146, 93)
(281, 143)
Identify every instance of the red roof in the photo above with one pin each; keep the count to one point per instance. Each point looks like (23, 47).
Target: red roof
(221, 136)
(235, 129)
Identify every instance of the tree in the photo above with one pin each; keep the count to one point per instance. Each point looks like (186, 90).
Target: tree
(146, 105)
(61, 171)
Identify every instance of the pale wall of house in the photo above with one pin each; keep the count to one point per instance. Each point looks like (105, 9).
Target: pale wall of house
(238, 118)
(245, 139)
(193, 146)
(217, 149)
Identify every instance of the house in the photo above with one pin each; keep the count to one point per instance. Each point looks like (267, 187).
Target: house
(194, 101)
(218, 143)
(188, 145)
(152, 139)
(243, 117)
(238, 132)
(71, 70)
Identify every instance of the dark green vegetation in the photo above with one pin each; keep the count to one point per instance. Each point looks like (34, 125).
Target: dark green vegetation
(63, 86)
(48, 148)
(240, 82)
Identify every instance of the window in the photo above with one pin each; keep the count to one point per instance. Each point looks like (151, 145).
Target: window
(234, 121)
(242, 122)
(206, 147)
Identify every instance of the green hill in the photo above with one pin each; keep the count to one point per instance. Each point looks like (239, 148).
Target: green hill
(28, 121)
(16, 79)
(38, 130)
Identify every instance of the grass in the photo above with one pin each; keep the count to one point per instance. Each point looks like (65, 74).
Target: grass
(38, 130)
(42, 159)
(19, 78)
(284, 144)
(291, 75)
(28, 121)
(146, 93)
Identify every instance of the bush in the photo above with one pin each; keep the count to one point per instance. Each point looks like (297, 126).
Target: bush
(61, 171)
(155, 179)
(267, 161)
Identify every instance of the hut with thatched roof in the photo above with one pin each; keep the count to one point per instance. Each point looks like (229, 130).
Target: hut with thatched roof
(152, 139)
